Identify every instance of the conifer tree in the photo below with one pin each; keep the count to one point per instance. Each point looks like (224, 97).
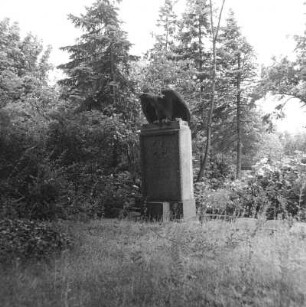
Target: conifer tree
(237, 58)
(167, 23)
(163, 66)
(194, 48)
(99, 61)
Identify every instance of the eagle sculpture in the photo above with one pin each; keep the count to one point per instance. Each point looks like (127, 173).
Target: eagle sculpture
(169, 106)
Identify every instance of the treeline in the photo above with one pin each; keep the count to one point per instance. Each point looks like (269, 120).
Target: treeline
(71, 150)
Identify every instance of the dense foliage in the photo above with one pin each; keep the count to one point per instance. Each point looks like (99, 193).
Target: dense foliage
(71, 151)
(23, 240)
(273, 190)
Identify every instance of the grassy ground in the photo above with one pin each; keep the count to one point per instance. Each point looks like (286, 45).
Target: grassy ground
(121, 263)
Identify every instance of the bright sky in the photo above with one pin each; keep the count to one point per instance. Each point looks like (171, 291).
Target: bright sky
(267, 24)
(294, 121)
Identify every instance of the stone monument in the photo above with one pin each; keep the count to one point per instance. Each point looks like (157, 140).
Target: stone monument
(166, 157)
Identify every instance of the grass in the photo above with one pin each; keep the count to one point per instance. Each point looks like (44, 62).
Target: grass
(123, 263)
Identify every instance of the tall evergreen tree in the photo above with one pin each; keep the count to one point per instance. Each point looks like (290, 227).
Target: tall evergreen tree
(194, 33)
(194, 47)
(162, 68)
(237, 59)
(99, 61)
(167, 23)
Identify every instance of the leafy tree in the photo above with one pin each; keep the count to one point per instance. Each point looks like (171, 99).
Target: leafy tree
(286, 77)
(271, 148)
(293, 143)
(24, 64)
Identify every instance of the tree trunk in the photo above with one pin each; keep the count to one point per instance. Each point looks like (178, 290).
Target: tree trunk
(238, 103)
(213, 89)
(209, 119)
(113, 77)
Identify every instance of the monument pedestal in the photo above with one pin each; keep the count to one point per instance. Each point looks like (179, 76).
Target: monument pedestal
(166, 156)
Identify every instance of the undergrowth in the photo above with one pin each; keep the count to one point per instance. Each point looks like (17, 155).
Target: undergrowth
(25, 240)
(120, 263)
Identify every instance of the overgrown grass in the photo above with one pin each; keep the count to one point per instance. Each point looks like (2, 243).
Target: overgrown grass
(121, 263)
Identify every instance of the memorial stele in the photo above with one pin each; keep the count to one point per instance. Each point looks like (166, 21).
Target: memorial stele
(166, 157)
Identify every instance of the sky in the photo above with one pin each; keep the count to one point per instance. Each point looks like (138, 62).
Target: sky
(267, 24)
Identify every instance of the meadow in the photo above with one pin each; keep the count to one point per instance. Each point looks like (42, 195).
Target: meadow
(126, 263)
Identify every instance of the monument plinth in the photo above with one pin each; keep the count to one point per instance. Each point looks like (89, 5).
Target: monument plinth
(166, 156)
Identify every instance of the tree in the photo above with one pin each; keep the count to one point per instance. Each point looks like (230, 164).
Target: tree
(24, 64)
(215, 31)
(99, 62)
(160, 68)
(192, 52)
(237, 58)
(167, 23)
(286, 77)
(163, 65)
(193, 34)
(100, 80)
(283, 79)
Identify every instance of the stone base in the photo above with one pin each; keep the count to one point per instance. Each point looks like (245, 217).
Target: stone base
(170, 211)
(158, 211)
(189, 209)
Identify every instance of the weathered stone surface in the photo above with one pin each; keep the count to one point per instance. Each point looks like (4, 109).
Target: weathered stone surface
(157, 211)
(167, 166)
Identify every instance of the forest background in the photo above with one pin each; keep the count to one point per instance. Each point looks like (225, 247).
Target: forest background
(70, 150)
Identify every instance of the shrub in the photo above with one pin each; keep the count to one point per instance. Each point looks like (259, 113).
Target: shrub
(119, 194)
(25, 240)
(89, 137)
(35, 188)
(214, 202)
(69, 166)
(278, 190)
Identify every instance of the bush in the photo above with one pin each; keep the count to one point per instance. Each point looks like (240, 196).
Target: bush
(278, 190)
(35, 188)
(119, 194)
(25, 240)
(90, 137)
(66, 165)
(213, 202)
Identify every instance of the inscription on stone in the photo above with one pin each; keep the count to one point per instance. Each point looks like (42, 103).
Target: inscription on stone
(161, 165)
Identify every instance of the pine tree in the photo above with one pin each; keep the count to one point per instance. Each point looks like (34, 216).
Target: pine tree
(237, 59)
(99, 61)
(162, 67)
(193, 47)
(195, 32)
(167, 23)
